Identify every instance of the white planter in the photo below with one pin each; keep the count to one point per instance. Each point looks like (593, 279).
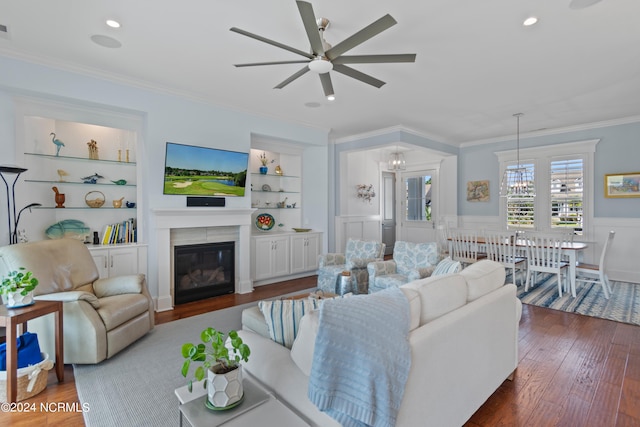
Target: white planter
(15, 299)
(224, 390)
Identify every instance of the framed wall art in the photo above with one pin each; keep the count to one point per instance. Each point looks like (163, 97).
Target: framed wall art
(478, 191)
(622, 185)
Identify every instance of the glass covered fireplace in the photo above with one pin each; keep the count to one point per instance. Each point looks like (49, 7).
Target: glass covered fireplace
(203, 271)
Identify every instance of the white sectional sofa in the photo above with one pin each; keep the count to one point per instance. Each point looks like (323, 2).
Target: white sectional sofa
(463, 342)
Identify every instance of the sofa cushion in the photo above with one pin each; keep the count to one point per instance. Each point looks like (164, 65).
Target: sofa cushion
(447, 266)
(304, 344)
(253, 320)
(439, 295)
(483, 277)
(283, 317)
(118, 309)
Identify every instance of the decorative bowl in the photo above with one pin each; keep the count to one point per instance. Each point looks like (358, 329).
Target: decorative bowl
(94, 199)
(301, 230)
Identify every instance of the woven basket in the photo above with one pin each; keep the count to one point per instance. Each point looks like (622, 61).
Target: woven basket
(31, 380)
(94, 199)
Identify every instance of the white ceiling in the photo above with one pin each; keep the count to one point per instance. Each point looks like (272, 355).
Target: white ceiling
(476, 64)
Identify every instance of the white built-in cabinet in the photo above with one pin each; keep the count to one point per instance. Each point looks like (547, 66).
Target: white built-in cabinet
(278, 255)
(305, 248)
(54, 142)
(270, 256)
(119, 260)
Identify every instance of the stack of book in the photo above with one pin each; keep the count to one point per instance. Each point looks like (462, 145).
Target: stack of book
(123, 232)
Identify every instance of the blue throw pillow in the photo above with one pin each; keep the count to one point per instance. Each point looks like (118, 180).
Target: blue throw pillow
(447, 266)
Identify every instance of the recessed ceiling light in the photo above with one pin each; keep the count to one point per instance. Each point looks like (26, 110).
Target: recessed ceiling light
(530, 21)
(113, 24)
(105, 41)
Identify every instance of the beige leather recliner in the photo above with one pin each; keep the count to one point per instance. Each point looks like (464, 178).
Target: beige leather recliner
(100, 316)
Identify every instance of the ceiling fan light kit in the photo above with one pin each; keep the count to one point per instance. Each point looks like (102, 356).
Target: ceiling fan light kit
(324, 58)
(320, 66)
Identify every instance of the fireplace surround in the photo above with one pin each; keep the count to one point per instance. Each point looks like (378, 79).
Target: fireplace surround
(206, 222)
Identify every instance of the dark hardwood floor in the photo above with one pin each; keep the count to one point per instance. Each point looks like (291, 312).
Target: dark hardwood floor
(574, 371)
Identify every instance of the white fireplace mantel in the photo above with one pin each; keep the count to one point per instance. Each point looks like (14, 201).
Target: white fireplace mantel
(167, 219)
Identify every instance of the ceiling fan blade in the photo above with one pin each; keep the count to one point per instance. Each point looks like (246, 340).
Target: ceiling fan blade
(348, 71)
(254, 64)
(311, 27)
(271, 42)
(361, 36)
(375, 59)
(327, 86)
(292, 78)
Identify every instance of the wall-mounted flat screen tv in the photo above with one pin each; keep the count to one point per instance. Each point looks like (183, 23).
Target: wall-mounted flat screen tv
(190, 170)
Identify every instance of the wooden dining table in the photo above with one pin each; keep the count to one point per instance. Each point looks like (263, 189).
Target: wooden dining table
(570, 249)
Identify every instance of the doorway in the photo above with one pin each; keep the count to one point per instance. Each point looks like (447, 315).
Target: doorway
(388, 209)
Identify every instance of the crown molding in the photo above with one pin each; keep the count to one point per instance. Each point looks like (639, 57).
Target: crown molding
(388, 130)
(547, 132)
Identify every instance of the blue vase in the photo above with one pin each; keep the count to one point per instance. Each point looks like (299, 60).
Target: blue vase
(263, 170)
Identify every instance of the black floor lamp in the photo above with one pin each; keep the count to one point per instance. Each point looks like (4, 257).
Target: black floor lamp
(11, 201)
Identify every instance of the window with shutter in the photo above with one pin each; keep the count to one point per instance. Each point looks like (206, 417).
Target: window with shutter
(521, 209)
(566, 196)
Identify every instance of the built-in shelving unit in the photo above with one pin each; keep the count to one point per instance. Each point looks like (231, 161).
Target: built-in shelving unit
(280, 252)
(52, 170)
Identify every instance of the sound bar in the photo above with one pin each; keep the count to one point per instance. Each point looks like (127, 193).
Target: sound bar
(206, 201)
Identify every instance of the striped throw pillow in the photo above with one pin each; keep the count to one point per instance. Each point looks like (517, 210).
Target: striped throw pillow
(447, 266)
(283, 317)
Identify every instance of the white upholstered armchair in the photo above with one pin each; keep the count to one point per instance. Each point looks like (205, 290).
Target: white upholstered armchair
(357, 254)
(100, 316)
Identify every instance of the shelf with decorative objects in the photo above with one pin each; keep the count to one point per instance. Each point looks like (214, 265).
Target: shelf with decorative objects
(277, 190)
(91, 169)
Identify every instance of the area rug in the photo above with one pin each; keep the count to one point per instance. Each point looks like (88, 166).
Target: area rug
(622, 306)
(136, 387)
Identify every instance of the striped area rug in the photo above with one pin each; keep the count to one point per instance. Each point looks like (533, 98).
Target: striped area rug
(623, 306)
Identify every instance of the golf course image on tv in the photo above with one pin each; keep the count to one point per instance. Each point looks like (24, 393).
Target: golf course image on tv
(191, 170)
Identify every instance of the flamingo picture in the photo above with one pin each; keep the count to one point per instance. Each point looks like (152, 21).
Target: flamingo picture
(58, 143)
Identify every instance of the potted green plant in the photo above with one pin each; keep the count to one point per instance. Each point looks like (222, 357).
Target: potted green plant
(220, 359)
(17, 288)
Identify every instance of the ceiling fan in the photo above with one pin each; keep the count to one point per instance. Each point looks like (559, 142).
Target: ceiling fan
(324, 58)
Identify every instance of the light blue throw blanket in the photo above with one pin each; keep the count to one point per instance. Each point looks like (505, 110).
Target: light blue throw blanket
(362, 358)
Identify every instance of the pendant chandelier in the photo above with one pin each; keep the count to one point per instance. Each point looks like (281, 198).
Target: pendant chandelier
(397, 161)
(517, 182)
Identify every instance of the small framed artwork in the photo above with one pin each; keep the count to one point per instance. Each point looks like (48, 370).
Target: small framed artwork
(478, 191)
(622, 185)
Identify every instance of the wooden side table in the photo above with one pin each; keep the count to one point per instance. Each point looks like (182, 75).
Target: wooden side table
(10, 318)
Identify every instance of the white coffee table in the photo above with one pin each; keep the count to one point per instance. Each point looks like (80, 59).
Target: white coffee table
(259, 407)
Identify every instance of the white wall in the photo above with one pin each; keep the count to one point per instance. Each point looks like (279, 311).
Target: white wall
(165, 117)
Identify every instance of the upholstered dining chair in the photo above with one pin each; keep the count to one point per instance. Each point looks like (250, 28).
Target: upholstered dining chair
(465, 246)
(500, 247)
(357, 255)
(411, 261)
(544, 255)
(587, 273)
